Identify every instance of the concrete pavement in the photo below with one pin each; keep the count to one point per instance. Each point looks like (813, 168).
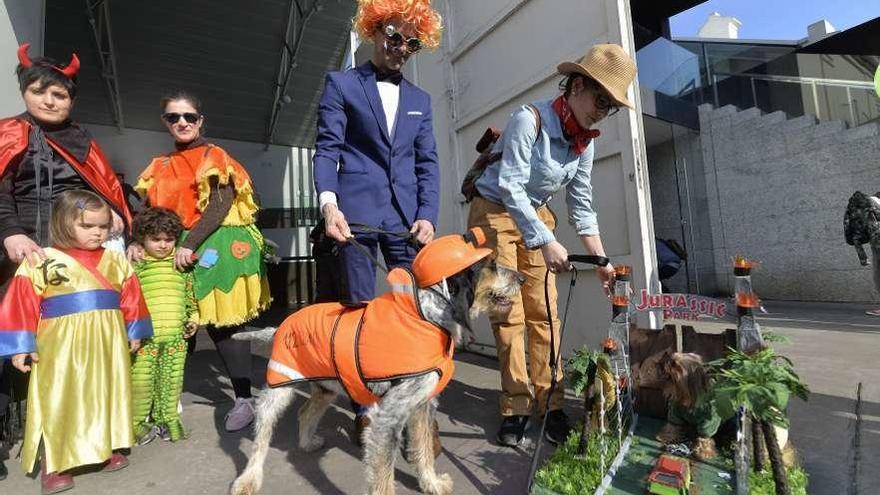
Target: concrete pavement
(834, 346)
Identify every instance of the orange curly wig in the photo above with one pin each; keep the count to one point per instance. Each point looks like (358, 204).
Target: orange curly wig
(372, 13)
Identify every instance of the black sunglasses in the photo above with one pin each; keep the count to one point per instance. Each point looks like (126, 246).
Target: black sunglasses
(604, 105)
(395, 39)
(173, 117)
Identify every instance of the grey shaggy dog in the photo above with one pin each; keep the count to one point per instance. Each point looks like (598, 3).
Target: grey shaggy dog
(483, 287)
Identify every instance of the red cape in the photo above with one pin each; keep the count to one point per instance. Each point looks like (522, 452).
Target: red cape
(95, 170)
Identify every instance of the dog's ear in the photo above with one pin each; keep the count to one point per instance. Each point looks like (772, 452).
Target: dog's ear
(674, 367)
(664, 360)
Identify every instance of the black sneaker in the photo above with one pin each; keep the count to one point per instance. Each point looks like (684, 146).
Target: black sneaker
(557, 428)
(512, 430)
(3, 471)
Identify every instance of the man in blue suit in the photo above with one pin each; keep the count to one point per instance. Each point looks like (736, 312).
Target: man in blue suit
(375, 157)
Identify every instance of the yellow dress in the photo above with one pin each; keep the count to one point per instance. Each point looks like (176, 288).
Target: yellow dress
(77, 310)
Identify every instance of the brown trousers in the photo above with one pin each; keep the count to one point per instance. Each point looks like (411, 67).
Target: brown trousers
(526, 319)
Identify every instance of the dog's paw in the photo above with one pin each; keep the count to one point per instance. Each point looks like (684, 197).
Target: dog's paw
(246, 484)
(312, 444)
(440, 485)
(705, 449)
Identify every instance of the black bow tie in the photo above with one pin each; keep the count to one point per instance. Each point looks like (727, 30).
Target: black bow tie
(392, 77)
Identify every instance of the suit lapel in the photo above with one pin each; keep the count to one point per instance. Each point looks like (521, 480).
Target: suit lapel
(368, 81)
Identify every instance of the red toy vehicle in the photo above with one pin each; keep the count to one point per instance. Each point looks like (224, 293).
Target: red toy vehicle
(671, 476)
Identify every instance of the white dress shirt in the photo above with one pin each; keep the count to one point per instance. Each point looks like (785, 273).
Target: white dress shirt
(389, 93)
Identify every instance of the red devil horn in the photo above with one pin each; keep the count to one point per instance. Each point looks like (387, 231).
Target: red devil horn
(23, 58)
(72, 68)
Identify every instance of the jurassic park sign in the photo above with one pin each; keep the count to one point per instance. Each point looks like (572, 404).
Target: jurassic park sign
(684, 306)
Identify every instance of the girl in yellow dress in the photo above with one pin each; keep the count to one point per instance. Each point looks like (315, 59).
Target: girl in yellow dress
(75, 315)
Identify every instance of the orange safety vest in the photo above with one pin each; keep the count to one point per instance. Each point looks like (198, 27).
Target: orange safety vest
(387, 339)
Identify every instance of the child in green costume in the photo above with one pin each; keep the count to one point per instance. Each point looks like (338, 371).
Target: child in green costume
(157, 368)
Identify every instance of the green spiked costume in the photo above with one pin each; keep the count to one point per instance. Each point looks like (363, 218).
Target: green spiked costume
(157, 368)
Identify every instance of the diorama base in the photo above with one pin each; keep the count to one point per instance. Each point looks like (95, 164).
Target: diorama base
(713, 477)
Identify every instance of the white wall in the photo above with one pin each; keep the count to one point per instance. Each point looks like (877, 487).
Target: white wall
(499, 54)
(777, 189)
(21, 21)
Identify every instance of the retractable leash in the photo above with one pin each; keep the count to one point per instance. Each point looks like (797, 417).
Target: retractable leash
(554, 367)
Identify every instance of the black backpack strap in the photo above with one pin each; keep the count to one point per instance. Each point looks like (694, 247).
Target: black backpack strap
(535, 111)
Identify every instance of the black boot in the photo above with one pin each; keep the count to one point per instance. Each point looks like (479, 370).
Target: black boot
(512, 431)
(557, 428)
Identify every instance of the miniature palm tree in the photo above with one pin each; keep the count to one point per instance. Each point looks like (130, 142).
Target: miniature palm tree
(762, 383)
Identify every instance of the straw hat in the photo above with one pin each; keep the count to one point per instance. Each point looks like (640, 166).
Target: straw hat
(609, 66)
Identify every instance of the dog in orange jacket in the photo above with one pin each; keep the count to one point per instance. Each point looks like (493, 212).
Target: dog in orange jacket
(395, 353)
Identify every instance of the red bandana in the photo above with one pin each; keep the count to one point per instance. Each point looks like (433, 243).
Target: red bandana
(578, 137)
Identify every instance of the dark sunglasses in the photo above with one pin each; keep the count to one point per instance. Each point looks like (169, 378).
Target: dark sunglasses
(173, 118)
(395, 40)
(605, 105)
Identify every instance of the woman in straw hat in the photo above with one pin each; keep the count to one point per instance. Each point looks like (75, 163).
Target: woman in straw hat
(545, 147)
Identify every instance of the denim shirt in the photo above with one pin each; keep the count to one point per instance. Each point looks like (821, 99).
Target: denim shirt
(531, 171)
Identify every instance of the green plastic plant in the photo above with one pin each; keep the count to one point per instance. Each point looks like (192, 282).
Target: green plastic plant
(568, 473)
(762, 482)
(762, 383)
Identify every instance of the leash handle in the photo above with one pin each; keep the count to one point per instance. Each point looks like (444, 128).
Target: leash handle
(361, 228)
(590, 259)
(369, 229)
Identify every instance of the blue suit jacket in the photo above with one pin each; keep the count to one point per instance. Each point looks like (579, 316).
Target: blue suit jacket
(376, 173)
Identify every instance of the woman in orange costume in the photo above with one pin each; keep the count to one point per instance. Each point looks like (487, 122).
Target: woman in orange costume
(213, 195)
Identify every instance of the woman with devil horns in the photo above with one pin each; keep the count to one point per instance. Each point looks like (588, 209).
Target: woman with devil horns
(42, 154)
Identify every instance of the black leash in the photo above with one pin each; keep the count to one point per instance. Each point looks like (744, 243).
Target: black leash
(554, 365)
(361, 228)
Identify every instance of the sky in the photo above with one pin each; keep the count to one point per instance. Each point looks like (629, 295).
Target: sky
(777, 19)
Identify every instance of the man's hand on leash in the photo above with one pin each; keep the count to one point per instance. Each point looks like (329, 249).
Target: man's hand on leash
(422, 231)
(336, 227)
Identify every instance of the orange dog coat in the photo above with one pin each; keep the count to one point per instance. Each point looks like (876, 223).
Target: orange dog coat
(387, 339)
